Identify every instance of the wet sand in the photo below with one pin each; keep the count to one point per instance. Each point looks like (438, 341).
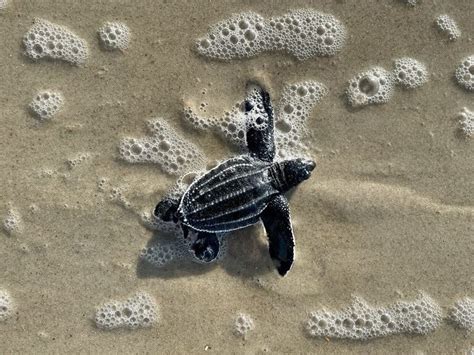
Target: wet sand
(388, 212)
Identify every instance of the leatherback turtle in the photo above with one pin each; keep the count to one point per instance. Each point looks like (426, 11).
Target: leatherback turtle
(243, 190)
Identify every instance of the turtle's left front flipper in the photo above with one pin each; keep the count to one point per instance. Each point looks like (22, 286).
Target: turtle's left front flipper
(277, 222)
(259, 123)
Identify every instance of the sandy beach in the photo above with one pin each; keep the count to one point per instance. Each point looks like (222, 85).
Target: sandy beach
(387, 213)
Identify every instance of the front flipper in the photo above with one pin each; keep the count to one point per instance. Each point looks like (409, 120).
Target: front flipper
(206, 247)
(259, 123)
(277, 222)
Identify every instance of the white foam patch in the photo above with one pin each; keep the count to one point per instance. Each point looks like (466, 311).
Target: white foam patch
(46, 104)
(361, 321)
(12, 223)
(410, 73)
(462, 313)
(411, 2)
(448, 26)
(164, 253)
(374, 86)
(295, 106)
(243, 324)
(139, 311)
(165, 147)
(114, 35)
(465, 73)
(6, 306)
(3, 4)
(48, 40)
(303, 33)
(466, 122)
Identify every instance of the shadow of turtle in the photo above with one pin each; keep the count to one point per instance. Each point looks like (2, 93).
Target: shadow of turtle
(182, 267)
(247, 256)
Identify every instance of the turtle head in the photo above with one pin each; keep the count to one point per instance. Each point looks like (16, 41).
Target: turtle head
(297, 170)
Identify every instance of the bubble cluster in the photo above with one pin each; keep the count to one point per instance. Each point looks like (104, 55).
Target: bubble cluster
(231, 126)
(303, 33)
(466, 122)
(294, 107)
(3, 4)
(46, 104)
(448, 26)
(165, 148)
(411, 2)
(77, 160)
(410, 73)
(243, 324)
(48, 40)
(465, 73)
(374, 86)
(12, 224)
(114, 35)
(462, 313)
(162, 254)
(139, 311)
(360, 321)
(6, 305)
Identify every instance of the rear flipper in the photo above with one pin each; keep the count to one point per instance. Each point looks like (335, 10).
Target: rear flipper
(166, 210)
(277, 222)
(206, 247)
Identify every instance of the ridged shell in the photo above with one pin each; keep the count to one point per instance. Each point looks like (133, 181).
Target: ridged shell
(230, 196)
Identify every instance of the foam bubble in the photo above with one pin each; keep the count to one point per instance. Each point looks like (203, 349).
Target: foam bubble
(77, 160)
(303, 33)
(114, 35)
(13, 224)
(48, 40)
(374, 86)
(466, 122)
(448, 26)
(243, 324)
(165, 147)
(294, 107)
(410, 73)
(462, 313)
(411, 2)
(360, 321)
(6, 305)
(46, 104)
(139, 311)
(465, 73)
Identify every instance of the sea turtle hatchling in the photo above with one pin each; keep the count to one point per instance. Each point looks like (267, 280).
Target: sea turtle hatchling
(243, 190)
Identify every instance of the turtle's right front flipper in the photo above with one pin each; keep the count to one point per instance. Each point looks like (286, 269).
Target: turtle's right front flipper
(259, 123)
(277, 222)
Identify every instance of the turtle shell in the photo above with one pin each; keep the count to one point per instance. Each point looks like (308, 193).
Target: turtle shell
(230, 196)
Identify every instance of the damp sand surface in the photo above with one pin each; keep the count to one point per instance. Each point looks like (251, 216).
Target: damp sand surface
(388, 212)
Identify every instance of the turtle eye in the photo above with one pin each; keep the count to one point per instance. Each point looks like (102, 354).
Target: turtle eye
(248, 106)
